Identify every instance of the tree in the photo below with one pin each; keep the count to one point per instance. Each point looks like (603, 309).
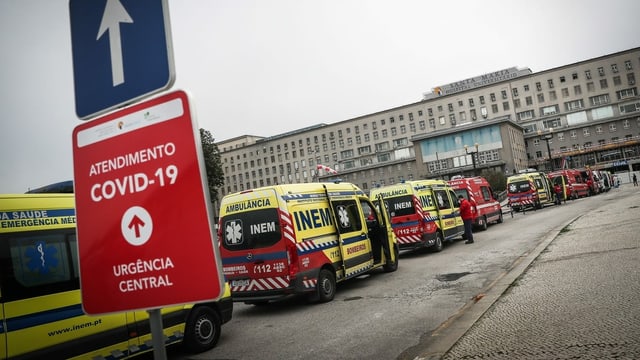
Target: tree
(212, 163)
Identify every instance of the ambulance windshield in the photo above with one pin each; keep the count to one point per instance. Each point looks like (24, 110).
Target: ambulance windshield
(251, 229)
(401, 205)
(519, 187)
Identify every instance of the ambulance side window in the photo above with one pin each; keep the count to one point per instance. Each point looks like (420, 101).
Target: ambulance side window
(347, 216)
(38, 264)
(486, 193)
(442, 199)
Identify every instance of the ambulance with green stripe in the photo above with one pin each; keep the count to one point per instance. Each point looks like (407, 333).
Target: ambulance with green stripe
(301, 239)
(41, 314)
(424, 213)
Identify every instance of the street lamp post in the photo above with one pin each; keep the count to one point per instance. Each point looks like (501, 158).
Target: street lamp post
(473, 156)
(547, 137)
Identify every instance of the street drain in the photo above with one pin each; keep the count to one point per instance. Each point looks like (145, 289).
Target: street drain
(451, 276)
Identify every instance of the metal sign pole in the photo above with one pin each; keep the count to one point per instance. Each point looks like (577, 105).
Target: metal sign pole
(157, 336)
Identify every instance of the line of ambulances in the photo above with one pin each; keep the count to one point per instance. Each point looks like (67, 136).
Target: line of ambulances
(529, 188)
(302, 239)
(424, 213)
(41, 315)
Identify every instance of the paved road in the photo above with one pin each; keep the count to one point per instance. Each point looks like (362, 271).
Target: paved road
(577, 296)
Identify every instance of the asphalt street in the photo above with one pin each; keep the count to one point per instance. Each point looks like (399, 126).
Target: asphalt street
(576, 296)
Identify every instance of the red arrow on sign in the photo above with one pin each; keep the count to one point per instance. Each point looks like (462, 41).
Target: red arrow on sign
(135, 224)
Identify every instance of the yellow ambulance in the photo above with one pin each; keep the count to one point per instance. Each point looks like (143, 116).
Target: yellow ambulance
(301, 239)
(424, 213)
(41, 314)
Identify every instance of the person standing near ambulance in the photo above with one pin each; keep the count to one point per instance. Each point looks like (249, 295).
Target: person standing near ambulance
(467, 213)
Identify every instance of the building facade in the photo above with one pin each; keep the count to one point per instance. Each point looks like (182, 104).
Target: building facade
(577, 115)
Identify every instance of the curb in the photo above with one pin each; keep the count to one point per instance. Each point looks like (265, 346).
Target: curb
(448, 333)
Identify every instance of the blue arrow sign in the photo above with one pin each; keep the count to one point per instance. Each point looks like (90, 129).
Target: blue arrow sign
(122, 52)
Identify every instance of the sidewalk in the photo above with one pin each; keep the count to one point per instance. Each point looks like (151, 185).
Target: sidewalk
(576, 297)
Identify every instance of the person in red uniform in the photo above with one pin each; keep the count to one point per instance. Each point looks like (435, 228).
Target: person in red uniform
(467, 213)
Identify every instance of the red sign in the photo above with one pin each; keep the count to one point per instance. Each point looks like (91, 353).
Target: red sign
(145, 237)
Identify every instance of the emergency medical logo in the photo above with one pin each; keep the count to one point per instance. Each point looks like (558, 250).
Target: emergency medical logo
(233, 230)
(440, 200)
(512, 188)
(42, 257)
(343, 216)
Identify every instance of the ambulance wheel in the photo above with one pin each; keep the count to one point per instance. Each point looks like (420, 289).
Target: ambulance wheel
(326, 287)
(202, 329)
(483, 223)
(392, 266)
(438, 245)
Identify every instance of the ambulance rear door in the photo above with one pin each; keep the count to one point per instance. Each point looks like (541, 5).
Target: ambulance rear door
(255, 235)
(353, 239)
(448, 211)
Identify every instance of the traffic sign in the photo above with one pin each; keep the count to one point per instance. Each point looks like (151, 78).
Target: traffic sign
(122, 52)
(145, 237)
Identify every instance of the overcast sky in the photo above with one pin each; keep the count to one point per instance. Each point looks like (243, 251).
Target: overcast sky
(265, 67)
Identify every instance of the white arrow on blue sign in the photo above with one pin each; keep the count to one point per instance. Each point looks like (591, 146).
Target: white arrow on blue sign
(122, 52)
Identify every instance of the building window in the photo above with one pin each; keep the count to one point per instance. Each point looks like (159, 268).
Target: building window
(432, 124)
(504, 94)
(439, 108)
(565, 92)
(574, 134)
(528, 100)
(599, 100)
(612, 127)
(493, 97)
(585, 132)
(526, 87)
(481, 100)
(460, 103)
(452, 119)
(614, 68)
(400, 117)
(442, 120)
(385, 133)
(505, 106)
(598, 129)
(420, 112)
(421, 124)
(450, 106)
(562, 79)
(515, 92)
(374, 125)
(577, 90)
(410, 116)
(627, 65)
(603, 84)
(626, 93)
(471, 103)
(552, 95)
(617, 81)
(591, 87)
(412, 127)
(494, 108)
(574, 105)
(587, 74)
(631, 79)
(601, 71)
(538, 86)
(430, 111)
(541, 97)
(550, 83)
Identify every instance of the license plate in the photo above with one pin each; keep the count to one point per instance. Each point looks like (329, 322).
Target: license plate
(242, 282)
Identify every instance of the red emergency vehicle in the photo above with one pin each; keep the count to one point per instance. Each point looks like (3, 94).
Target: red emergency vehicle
(571, 181)
(478, 190)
